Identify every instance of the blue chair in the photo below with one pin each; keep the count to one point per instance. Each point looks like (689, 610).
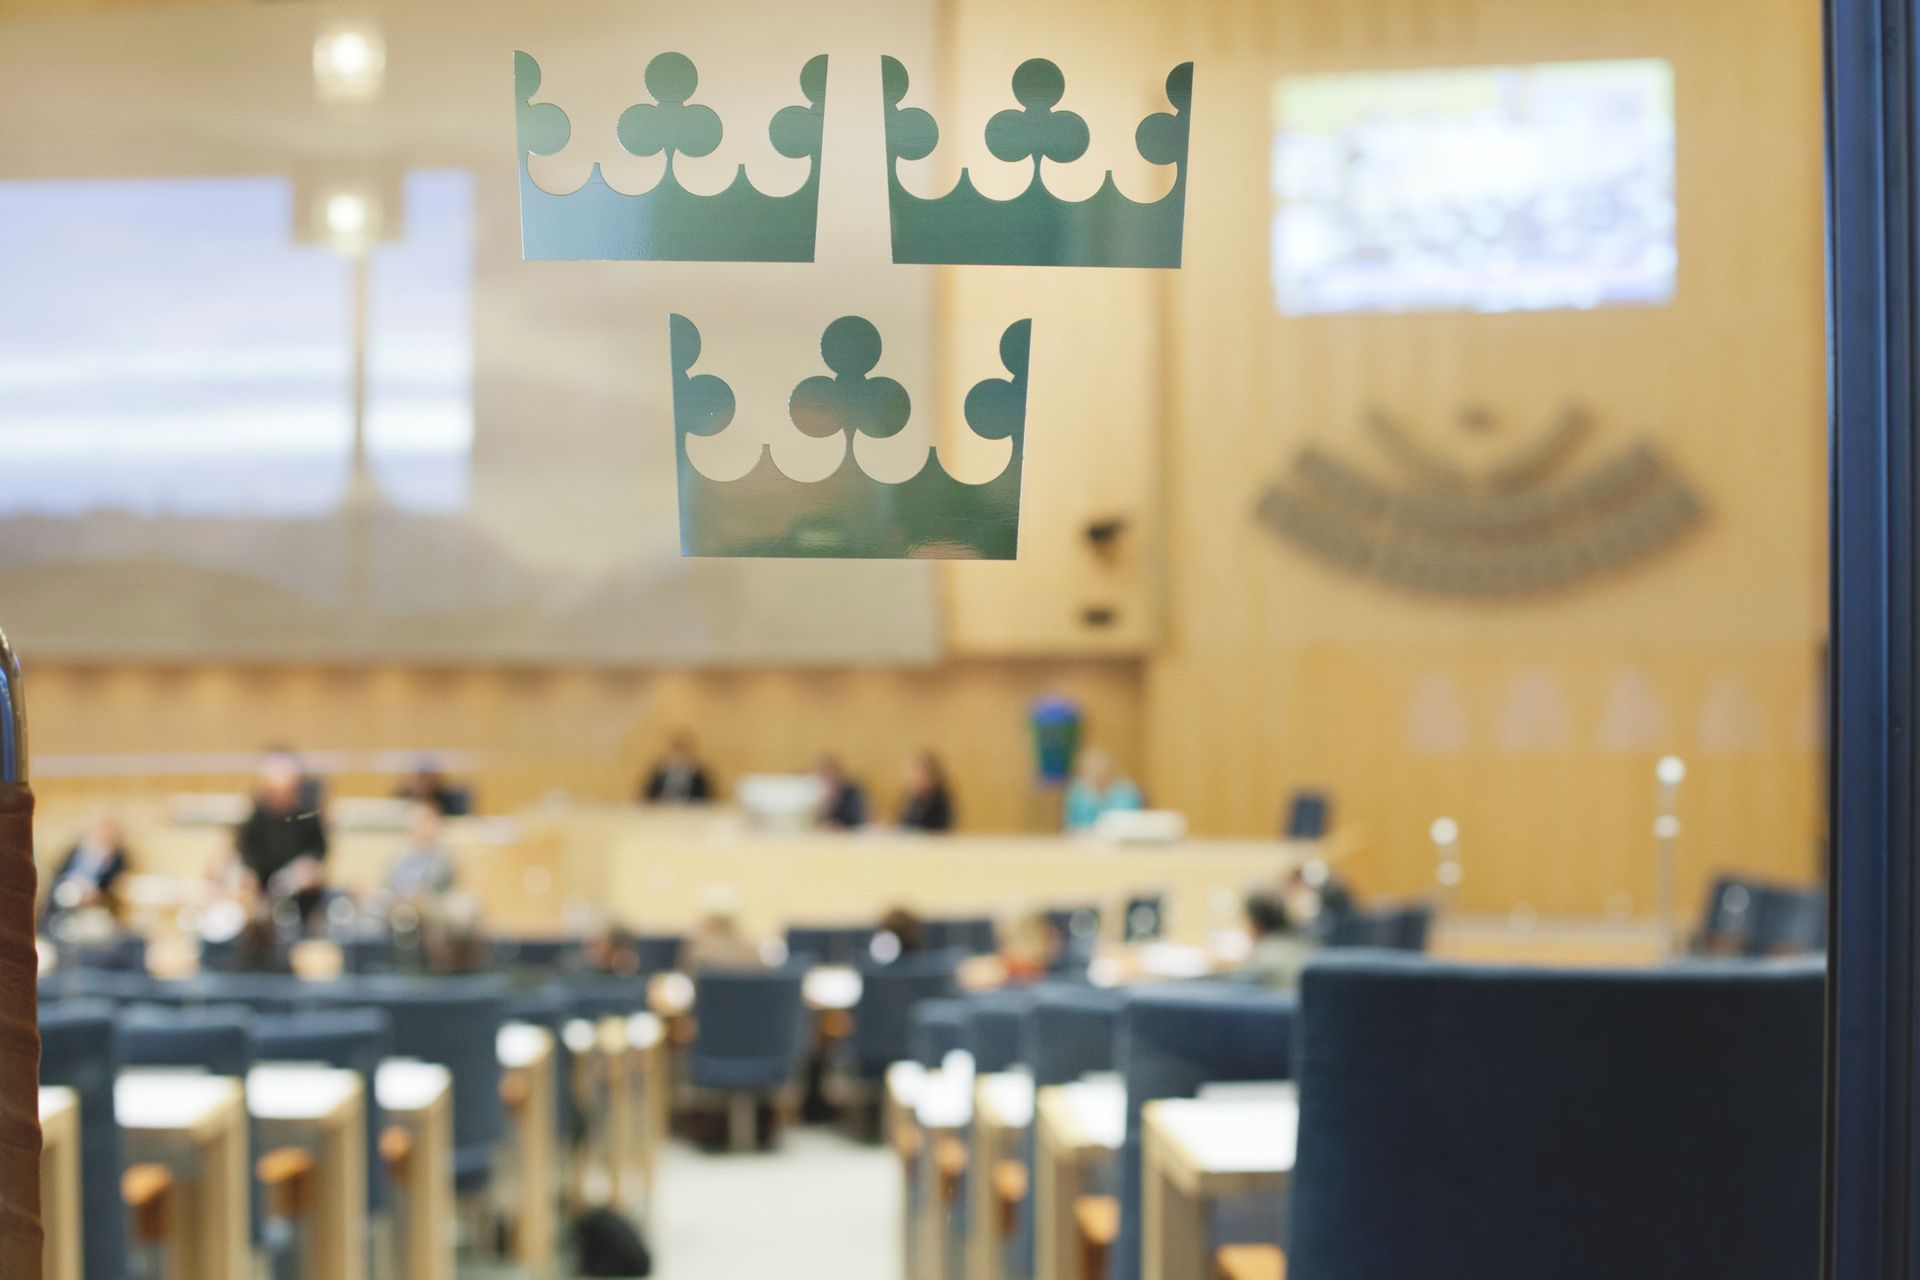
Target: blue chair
(1494, 1124)
(95, 985)
(1307, 815)
(79, 1049)
(260, 992)
(1069, 1033)
(214, 1039)
(1792, 922)
(454, 1022)
(369, 953)
(1405, 928)
(995, 1023)
(658, 952)
(882, 1021)
(827, 944)
(935, 1029)
(536, 953)
(603, 995)
(347, 1039)
(750, 1040)
(1146, 917)
(124, 954)
(1176, 1038)
(1078, 929)
(975, 935)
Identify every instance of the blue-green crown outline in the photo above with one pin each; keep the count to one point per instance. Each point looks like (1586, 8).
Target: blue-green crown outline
(668, 222)
(1037, 228)
(850, 515)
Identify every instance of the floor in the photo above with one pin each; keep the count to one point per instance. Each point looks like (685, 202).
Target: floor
(819, 1208)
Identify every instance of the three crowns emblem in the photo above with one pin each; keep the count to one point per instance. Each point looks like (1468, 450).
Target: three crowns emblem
(849, 514)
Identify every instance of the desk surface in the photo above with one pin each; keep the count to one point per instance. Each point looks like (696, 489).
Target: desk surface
(1090, 1115)
(57, 1101)
(1004, 1099)
(832, 986)
(1226, 1137)
(284, 1091)
(403, 1085)
(946, 1098)
(521, 1044)
(175, 1102)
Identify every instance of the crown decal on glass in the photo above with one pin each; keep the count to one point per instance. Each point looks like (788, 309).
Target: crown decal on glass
(1037, 228)
(668, 222)
(849, 514)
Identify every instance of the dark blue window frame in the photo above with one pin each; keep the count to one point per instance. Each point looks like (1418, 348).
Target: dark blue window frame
(1872, 1215)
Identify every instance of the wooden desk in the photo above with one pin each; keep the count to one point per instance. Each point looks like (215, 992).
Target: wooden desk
(942, 1113)
(418, 1098)
(1002, 1115)
(650, 1077)
(323, 1112)
(60, 1183)
(1196, 1151)
(197, 1127)
(899, 1129)
(1080, 1127)
(527, 1058)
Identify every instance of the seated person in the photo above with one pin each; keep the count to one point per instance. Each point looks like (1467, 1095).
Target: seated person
(283, 844)
(1098, 788)
(679, 778)
(425, 870)
(902, 933)
(85, 878)
(426, 785)
(927, 806)
(719, 940)
(843, 805)
(1280, 948)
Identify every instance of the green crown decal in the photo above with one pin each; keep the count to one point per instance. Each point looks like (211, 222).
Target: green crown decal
(1036, 228)
(849, 514)
(668, 222)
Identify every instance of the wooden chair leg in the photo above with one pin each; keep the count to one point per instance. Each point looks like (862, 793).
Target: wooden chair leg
(1096, 1221)
(1250, 1262)
(147, 1190)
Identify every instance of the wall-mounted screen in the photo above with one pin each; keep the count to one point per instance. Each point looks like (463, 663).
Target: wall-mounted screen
(1474, 188)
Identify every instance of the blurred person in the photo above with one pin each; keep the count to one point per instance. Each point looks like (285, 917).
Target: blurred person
(283, 843)
(1028, 947)
(907, 933)
(427, 785)
(426, 869)
(719, 940)
(680, 777)
(609, 948)
(843, 804)
(1097, 788)
(928, 805)
(454, 935)
(85, 878)
(1281, 948)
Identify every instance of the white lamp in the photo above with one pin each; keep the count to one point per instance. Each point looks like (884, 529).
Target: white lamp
(349, 65)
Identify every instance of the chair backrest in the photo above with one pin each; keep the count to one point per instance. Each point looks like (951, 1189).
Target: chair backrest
(1495, 1124)
(215, 1039)
(454, 1022)
(536, 953)
(1307, 815)
(79, 1049)
(994, 1026)
(353, 1040)
(658, 952)
(1070, 1032)
(1146, 917)
(751, 1028)
(261, 992)
(935, 1029)
(603, 995)
(1790, 921)
(1175, 1038)
(831, 944)
(124, 954)
(888, 994)
(1078, 930)
(975, 935)
(96, 985)
(1403, 928)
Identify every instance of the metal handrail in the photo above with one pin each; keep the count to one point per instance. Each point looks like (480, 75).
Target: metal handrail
(13, 716)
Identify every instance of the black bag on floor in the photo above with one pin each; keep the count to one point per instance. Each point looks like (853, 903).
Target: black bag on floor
(609, 1246)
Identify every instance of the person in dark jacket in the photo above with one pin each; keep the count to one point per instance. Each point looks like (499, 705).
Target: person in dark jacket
(283, 843)
(679, 778)
(843, 804)
(87, 875)
(927, 806)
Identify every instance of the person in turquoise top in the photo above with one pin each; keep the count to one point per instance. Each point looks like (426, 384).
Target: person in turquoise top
(1096, 789)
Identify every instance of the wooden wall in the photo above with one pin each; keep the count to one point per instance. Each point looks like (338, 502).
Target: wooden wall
(1235, 669)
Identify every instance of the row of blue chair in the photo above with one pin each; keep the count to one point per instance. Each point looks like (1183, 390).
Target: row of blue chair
(1468, 1122)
